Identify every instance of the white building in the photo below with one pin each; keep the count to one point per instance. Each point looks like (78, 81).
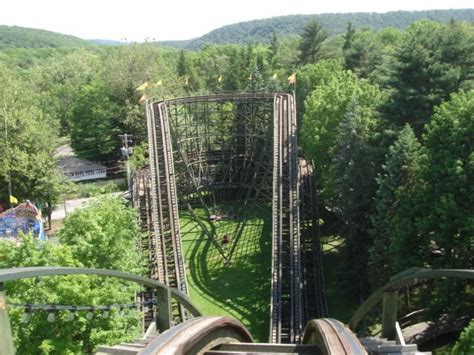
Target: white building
(76, 169)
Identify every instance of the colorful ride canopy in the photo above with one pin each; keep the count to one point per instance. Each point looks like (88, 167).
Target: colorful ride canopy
(25, 218)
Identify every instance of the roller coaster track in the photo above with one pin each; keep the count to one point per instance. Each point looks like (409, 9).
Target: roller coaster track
(314, 297)
(286, 306)
(157, 203)
(297, 286)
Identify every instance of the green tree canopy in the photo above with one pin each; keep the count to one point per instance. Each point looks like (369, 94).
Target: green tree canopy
(398, 175)
(104, 235)
(27, 142)
(447, 174)
(325, 107)
(433, 61)
(312, 37)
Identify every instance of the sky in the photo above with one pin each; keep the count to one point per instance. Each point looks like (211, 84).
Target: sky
(139, 20)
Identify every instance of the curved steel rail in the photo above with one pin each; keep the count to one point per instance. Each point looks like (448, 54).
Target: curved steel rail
(163, 292)
(332, 337)
(29, 272)
(198, 335)
(389, 293)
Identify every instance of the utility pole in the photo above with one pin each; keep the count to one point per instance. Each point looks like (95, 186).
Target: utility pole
(126, 153)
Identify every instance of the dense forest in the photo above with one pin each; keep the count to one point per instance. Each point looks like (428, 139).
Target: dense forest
(387, 116)
(21, 37)
(261, 31)
(253, 32)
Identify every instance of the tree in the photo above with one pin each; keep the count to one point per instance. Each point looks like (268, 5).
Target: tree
(182, 64)
(104, 235)
(27, 142)
(312, 37)
(399, 173)
(447, 174)
(274, 45)
(111, 228)
(95, 108)
(235, 76)
(352, 187)
(432, 61)
(465, 344)
(325, 108)
(349, 36)
(311, 76)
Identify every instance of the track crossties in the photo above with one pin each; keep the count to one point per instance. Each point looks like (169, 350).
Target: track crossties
(214, 152)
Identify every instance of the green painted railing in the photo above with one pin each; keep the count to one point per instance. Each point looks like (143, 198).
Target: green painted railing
(388, 294)
(164, 295)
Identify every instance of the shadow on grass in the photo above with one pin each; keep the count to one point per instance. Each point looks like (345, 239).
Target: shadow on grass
(242, 288)
(340, 305)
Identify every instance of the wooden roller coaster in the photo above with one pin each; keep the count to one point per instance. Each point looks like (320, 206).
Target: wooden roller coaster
(211, 150)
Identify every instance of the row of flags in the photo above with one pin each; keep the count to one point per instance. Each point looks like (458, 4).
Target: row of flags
(145, 85)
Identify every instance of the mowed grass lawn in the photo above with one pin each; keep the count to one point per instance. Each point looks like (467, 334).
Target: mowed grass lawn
(241, 289)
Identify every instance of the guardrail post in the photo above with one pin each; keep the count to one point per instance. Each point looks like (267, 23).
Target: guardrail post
(163, 317)
(389, 315)
(6, 339)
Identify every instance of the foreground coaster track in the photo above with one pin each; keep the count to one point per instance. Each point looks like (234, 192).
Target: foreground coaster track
(209, 152)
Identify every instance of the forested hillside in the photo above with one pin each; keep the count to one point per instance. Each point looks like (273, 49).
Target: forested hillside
(21, 37)
(261, 30)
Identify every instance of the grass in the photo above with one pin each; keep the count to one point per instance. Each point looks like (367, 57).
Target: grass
(340, 306)
(240, 289)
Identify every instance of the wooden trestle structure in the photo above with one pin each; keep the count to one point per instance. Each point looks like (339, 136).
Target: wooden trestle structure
(210, 151)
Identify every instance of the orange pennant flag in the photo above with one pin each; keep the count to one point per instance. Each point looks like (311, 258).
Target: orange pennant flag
(292, 79)
(143, 86)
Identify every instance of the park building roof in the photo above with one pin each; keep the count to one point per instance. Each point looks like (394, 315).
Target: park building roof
(76, 169)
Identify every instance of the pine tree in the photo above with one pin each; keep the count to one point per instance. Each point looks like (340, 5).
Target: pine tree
(353, 175)
(311, 40)
(182, 64)
(274, 45)
(348, 37)
(432, 61)
(398, 173)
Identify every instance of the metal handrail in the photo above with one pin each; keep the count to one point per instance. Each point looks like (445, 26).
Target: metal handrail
(164, 294)
(403, 279)
(29, 272)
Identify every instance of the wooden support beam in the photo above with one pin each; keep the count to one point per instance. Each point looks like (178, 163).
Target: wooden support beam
(389, 314)
(164, 314)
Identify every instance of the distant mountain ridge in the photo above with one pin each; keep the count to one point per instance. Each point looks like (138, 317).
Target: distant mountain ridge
(22, 37)
(242, 32)
(292, 25)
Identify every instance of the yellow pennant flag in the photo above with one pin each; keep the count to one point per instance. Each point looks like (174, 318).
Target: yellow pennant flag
(159, 83)
(220, 78)
(292, 79)
(13, 199)
(250, 77)
(186, 81)
(143, 86)
(143, 98)
(275, 76)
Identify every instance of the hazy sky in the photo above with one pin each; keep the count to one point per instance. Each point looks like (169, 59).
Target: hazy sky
(179, 19)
